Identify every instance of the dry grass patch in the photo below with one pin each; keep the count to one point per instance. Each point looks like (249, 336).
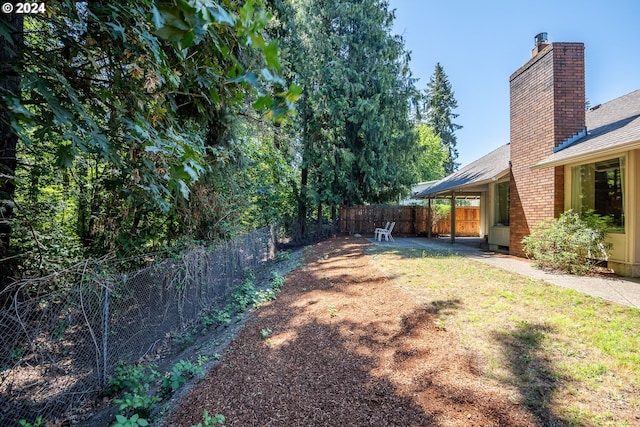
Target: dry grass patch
(574, 359)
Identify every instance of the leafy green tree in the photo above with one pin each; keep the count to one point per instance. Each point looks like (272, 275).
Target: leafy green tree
(124, 107)
(249, 189)
(439, 105)
(432, 157)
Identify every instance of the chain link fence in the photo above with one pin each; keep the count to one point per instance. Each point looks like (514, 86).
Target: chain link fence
(61, 336)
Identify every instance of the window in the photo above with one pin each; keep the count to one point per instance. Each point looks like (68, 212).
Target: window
(501, 200)
(599, 187)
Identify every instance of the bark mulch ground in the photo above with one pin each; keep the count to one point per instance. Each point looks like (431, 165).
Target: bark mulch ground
(346, 346)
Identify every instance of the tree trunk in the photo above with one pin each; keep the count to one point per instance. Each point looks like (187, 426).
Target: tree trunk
(319, 219)
(302, 202)
(10, 59)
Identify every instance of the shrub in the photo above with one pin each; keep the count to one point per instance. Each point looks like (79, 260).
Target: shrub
(135, 379)
(568, 243)
(210, 421)
(180, 373)
(134, 421)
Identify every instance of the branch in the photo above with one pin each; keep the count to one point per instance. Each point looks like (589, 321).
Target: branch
(39, 245)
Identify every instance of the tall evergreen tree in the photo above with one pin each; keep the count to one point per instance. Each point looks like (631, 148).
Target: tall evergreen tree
(439, 105)
(357, 140)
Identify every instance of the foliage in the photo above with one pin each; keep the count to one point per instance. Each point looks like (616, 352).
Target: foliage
(125, 109)
(180, 373)
(262, 296)
(173, 64)
(135, 383)
(283, 256)
(144, 122)
(37, 423)
(134, 421)
(356, 141)
(439, 105)
(264, 333)
(333, 312)
(134, 403)
(44, 230)
(184, 340)
(11, 28)
(269, 176)
(130, 379)
(251, 188)
(432, 156)
(277, 281)
(210, 421)
(215, 318)
(568, 243)
(243, 296)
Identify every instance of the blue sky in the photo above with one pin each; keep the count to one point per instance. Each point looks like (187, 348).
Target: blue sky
(481, 43)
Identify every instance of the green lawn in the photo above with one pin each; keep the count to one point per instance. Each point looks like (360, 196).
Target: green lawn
(569, 354)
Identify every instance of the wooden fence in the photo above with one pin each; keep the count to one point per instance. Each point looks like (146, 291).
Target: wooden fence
(410, 220)
(467, 222)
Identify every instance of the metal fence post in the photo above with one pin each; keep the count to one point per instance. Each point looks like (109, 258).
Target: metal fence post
(271, 244)
(105, 330)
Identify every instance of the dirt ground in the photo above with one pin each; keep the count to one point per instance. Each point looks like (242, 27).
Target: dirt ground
(343, 345)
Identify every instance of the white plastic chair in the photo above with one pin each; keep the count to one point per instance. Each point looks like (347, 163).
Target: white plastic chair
(378, 230)
(386, 233)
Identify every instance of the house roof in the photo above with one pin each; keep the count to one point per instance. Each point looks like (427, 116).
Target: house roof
(474, 177)
(611, 128)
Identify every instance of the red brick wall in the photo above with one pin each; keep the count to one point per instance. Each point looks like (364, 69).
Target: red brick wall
(547, 107)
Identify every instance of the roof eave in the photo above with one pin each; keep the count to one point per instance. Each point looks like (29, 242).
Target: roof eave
(586, 157)
(461, 188)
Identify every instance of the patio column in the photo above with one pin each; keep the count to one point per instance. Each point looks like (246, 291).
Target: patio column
(429, 217)
(453, 217)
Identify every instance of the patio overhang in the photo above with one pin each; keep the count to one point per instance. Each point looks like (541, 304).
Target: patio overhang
(470, 182)
(473, 179)
(469, 190)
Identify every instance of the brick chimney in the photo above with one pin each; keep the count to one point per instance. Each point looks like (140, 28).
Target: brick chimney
(547, 107)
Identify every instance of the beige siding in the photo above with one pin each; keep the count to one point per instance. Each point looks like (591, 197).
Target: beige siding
(498, 235)
(625, 252)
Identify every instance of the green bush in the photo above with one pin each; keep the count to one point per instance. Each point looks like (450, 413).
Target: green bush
(133, 403)
(277, 281)
(210, 421)
(180, 373)
(570, 243)
(133, 421)
(135, 379)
